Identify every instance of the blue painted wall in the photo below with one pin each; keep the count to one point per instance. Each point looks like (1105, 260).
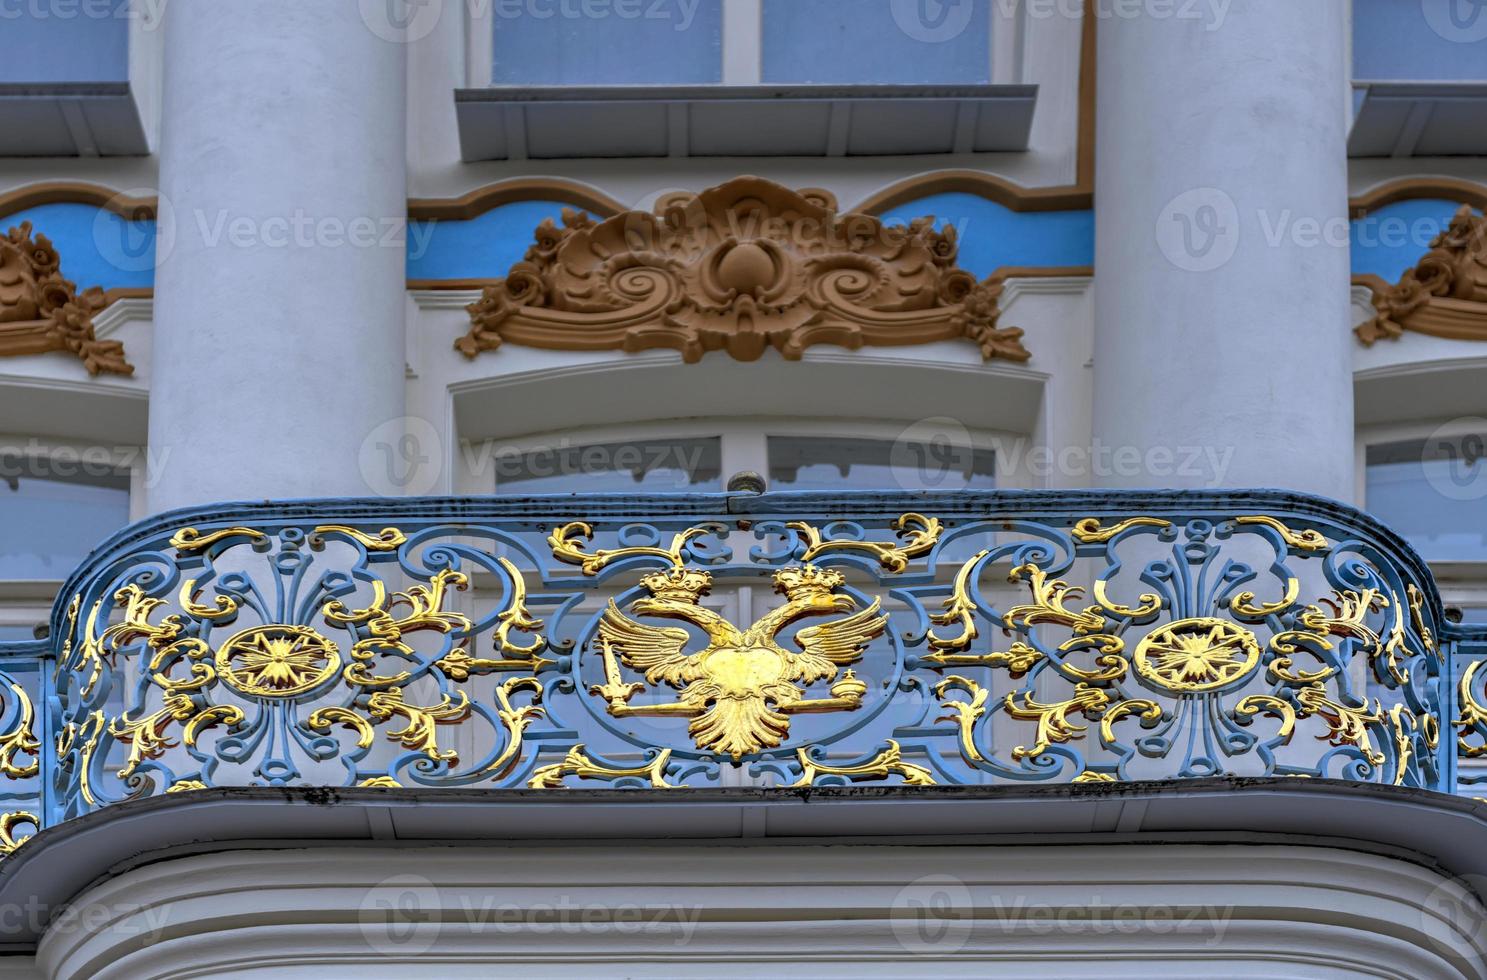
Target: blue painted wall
(992, 236)
(1390, 240)
(98, 247)
(619, 42)
(1404, 40)
(85, 41)
(877, 41)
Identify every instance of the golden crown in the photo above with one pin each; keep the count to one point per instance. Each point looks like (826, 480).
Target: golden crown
(806, 580)
(684, 584)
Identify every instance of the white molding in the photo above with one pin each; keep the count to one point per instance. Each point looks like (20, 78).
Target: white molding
(444, 299)
(1363, 309)
(1017, 287)
(128, 309)
(854, 910)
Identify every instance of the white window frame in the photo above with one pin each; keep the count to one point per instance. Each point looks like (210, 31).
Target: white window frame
(1461, 583)
(28, 602)
(743, 43)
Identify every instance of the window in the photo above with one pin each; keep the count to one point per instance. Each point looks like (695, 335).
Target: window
(824, 463)
(55, 512)
(1437, 40)
(637, 43)
(876, 42)
(642, 465)
(700, 455)
(1434, 492)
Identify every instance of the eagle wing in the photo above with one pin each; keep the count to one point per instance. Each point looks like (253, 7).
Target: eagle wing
(839, 642)
(655, 651)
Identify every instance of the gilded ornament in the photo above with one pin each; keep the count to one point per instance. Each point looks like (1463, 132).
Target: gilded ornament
(889, 762)
(577, 763)
(40, 311)
(1197, 655)
(388, 539)
(1308, 540)
(742, 267)
(21, 740)
(740, 690)
(566, 546)
(189, 539)
(917, 536)
(8, 824)
(1091, 531)
(277, 661)
(1054, 725)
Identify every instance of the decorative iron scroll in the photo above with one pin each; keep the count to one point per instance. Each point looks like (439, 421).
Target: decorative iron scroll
(740, 267)
(977, 640)
(40, 311)
(1445, 294)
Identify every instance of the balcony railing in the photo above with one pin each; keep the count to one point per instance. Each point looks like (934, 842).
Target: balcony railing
(784, 640)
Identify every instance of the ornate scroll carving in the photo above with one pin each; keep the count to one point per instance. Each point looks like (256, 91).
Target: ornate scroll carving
(1445, 294)
(40, 311)
(740, 267)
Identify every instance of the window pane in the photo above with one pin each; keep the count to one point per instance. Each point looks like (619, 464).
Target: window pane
(877, 41)
(52, 515)
(1434, 494)
(618, 467)
(1437, 40)
(621, 42)
(824, 463)
(41, 44)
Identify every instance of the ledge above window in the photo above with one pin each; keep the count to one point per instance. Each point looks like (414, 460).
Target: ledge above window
(1420, 119)
(515, 123)
(70, 119)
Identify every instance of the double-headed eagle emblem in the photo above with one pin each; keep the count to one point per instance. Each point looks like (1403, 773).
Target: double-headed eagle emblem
(740, 690)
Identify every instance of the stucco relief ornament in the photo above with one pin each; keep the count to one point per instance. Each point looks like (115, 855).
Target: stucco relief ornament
(741, 267)
(1445, 294)
(40, 311)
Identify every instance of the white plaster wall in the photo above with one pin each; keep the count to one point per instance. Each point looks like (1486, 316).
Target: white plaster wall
(278, 310)
(1125, 911)
(1221, 319)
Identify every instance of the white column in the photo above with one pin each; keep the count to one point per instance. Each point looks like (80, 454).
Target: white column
(279, 306)
(1221, 317)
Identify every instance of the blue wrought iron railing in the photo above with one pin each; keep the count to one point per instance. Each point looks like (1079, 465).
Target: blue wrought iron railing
(777, 639)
